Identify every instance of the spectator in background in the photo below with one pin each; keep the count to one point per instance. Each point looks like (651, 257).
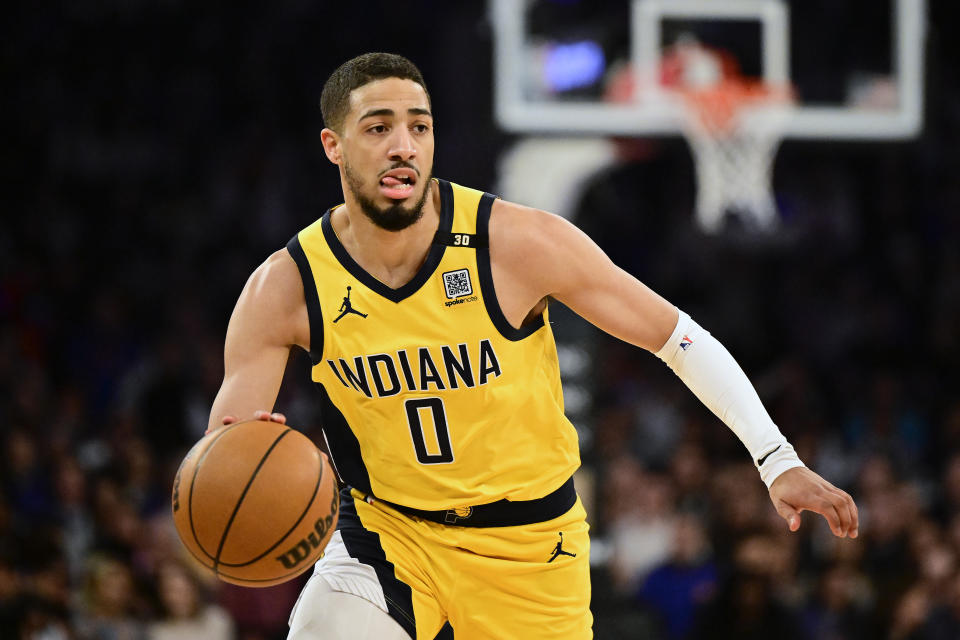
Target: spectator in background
(839, 608)
(39, 619)
(949, 506)
(185, 613)
(887, 559)
(749, 605)
(111, 607)
(72, 514)
(953, 532)
(23, 475)
(640, 516)
(676, 589)
(690, 475)
(928, 610)
(9, 590)
(890, 424)
(910, 615)
(943, 622)
(119, 528)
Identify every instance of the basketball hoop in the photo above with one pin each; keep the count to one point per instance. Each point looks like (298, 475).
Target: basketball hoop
(734, 128)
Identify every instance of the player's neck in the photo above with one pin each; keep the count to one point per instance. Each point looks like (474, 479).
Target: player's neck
(393, 257)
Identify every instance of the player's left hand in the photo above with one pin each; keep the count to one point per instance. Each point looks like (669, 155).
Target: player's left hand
(800, 489)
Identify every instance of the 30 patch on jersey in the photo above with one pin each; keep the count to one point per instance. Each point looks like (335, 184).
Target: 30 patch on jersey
(457, 283)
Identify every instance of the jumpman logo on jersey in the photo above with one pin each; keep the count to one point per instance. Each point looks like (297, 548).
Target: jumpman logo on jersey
(558, 550)
(346, 308)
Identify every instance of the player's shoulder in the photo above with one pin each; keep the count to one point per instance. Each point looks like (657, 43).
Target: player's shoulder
(515, 226)
(272, 306)
(276, 281)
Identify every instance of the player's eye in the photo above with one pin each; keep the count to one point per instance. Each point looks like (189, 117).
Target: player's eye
(378, 128)
(421, 128)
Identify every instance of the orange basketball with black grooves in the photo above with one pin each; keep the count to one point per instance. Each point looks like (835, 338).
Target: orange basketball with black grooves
(256, 502)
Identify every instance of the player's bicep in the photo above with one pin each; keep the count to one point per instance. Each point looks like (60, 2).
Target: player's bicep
(266, 322)
(621, 305)
(584, 278)
(253, 371)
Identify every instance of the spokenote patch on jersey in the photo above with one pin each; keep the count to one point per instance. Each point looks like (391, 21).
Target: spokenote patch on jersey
(458, 286)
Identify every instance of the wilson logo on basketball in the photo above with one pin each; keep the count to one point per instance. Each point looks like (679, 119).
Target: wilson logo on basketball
(302, 550)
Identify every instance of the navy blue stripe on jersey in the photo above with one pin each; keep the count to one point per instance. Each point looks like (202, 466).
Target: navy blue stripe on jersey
(364, 545)
(423, 274)
(314, 313)
(343, 444)
(486, 279)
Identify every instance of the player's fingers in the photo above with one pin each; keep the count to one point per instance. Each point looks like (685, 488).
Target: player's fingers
(851, 506)
(266, 416)
(825, 507)
(225, 420)
(843, 512)
(847, 510)
(788, 513)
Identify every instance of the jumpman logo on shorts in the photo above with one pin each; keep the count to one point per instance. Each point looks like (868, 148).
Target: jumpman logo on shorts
(346, 308)
(558, 550)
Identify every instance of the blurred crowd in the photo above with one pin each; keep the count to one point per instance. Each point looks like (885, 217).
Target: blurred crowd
(848, 322)
(145, 185)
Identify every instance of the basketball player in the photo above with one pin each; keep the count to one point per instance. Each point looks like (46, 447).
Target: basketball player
(423, 305)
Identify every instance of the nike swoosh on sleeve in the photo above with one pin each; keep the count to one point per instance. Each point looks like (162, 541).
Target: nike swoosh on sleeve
(764, 458)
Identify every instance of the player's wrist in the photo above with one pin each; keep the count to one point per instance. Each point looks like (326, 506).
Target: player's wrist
(779, 462)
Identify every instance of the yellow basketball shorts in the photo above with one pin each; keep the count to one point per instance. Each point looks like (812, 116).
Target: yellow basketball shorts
(526, 582)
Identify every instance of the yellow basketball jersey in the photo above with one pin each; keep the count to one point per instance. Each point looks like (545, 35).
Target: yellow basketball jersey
(430, 398)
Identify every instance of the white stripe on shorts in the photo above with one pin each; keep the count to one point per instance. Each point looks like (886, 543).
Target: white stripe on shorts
(345, 573)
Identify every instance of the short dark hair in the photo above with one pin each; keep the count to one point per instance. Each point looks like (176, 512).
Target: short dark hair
(355, 73)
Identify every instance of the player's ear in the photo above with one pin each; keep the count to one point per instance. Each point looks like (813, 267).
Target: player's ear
(331, 145)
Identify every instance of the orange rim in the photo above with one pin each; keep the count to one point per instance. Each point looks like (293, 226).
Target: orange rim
(715, 108)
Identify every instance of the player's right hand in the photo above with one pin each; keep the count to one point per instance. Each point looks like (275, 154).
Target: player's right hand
(265, 416)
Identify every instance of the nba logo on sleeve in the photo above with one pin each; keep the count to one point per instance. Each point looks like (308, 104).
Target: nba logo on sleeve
(457, 283)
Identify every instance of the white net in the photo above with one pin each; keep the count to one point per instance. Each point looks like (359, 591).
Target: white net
(734, 135)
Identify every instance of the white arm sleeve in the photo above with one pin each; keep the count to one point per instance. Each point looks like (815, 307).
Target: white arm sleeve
(712, 374)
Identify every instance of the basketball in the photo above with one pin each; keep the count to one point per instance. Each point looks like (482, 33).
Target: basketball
(255, 502)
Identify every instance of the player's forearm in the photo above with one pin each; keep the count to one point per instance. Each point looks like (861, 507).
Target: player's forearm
(247, 390)
(709, 370)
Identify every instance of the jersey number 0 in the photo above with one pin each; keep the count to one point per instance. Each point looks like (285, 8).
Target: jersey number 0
(435, 405)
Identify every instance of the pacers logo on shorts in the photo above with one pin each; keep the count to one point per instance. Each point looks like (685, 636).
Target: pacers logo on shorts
(460, 513)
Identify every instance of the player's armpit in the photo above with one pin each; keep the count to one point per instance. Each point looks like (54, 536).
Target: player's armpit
(535, 254)
(269, 318)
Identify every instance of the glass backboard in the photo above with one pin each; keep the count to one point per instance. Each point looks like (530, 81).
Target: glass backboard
(575, 66)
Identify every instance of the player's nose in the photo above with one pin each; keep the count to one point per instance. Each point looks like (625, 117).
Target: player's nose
(401, 145)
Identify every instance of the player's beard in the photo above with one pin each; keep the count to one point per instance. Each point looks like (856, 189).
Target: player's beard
(394, 217)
